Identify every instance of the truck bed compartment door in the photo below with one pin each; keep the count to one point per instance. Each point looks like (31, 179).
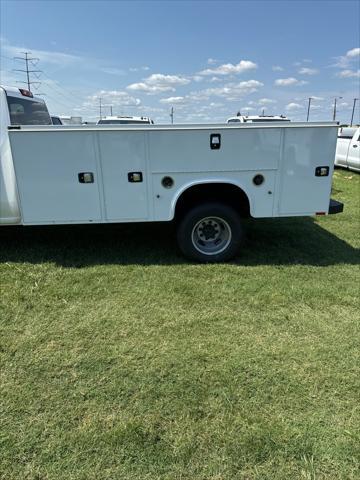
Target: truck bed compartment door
(123, 162)
(47, 166)
(303, 190)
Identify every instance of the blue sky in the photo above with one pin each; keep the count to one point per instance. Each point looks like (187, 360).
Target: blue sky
(207, 59)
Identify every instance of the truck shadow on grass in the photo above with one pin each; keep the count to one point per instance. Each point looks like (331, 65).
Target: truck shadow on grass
(268, 242)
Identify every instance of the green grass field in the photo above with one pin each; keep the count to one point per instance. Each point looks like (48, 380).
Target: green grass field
(121, 360)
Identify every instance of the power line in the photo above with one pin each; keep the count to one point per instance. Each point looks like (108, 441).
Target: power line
(28, 59)
(58, 102)
(66, 95)
(64, 98)
(69, 92)
(68, 105)
(7, 58)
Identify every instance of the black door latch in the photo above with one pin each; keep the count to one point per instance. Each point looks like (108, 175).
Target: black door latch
(215, 141)
(86, 177)
(322, 171)
(135, 177)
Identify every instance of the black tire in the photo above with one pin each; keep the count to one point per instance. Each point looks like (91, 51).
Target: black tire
(210, 232)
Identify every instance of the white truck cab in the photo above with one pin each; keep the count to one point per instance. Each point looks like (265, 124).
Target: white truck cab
(257, 119)
(121, 120)
(348, 148)
(205, 177)
(17, 107)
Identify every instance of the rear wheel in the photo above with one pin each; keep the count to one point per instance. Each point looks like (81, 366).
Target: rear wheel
(210, 232)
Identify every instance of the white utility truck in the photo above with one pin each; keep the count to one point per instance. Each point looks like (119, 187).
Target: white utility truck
(257, 119)
(121, 120)
(206, 177)
(348, 148)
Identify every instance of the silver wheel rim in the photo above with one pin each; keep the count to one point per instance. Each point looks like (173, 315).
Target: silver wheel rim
(211, 235)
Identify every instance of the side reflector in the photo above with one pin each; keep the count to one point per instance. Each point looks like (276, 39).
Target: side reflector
(26, 93)
(320, 213)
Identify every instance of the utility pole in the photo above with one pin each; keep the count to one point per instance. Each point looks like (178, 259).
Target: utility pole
(100, 107)
(27, 59)
(334, 112)
(353, 110)
(308, 110)
(110, 109)
(172, 115)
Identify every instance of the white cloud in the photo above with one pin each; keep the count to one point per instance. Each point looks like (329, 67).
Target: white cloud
(262, 102)
(308, 71)
(44, 56)
(229, 68)
(301, 62)
(349, 74)
(285, 82)
(173, 100)
(138, 69)
(233, 91)
(114, 97)
(230, 91)
(344, 61)
(211, 61)
(211, 106)
(150, 89)
(266, 101)
(203, 117)
(277, 68)
(112, 71)
(318, 99)
(159, 83)
(293, 106)
(354, 52)
(58, 59)
(160, 79)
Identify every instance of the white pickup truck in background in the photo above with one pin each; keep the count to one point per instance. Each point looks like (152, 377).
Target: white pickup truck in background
(348, 148)
(205, 177)
(122, 120)
(257, 119)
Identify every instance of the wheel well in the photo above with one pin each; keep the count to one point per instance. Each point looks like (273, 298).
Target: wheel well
(220, 192)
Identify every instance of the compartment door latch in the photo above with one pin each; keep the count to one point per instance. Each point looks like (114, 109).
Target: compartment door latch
(86, 177)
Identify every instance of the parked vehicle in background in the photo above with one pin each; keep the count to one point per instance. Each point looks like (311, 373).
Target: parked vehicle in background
(70, 120)
(56, 120)
(348, 148)
(257, 119)
(121, 120)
